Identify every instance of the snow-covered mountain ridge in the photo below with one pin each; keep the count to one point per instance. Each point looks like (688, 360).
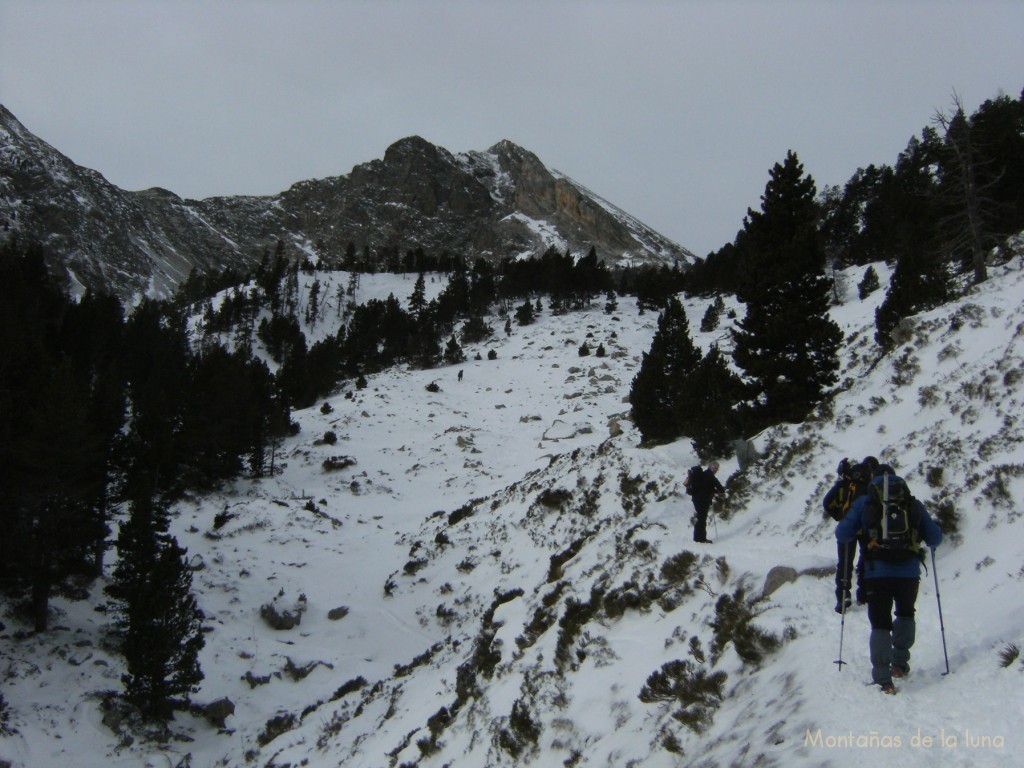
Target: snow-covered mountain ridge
(500, 203)
(500, 574)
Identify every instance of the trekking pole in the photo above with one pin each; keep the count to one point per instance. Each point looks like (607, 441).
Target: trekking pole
(938, 600)
(842, 629)
(842, 613)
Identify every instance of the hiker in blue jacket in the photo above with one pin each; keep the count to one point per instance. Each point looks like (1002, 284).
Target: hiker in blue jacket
(892, 570)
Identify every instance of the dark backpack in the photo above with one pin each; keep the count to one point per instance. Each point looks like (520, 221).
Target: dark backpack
(692, 479)
(892, 519)
(837, 500)
(850, 486)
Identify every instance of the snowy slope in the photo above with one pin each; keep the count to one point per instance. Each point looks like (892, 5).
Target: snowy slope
(500, 555)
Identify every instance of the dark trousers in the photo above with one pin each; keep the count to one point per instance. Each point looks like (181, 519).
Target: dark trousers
(886, 593)
(845, 567)
(700, 519)
(891, 638)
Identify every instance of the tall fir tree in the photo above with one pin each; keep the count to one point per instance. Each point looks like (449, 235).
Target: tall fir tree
(922, 278)
(426, 346)
(660, 382)
(160, 621)
(91, 337)
(418, 299)
(786, 344)
(999, 127)
(706, 409)
(62, 462)
(155, 362)
(482, 289)
(453, 301)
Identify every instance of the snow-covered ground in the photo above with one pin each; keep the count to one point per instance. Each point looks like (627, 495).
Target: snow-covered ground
(480, 519)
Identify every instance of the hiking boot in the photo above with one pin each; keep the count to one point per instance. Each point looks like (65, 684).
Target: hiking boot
(888, 688)
(898, 672)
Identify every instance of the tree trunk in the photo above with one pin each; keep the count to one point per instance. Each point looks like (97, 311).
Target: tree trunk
(41, 598)
(958, 136)
(974, 219)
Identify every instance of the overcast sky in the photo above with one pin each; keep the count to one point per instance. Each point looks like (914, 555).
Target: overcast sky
(674, 111)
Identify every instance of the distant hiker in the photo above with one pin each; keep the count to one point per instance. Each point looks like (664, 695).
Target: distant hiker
(896, 524)
(702, 486)
(460, 374)
(852, 483)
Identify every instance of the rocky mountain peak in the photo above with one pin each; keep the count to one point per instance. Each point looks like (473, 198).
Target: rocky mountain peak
(500, 203)
(510, 154)
(412, 147)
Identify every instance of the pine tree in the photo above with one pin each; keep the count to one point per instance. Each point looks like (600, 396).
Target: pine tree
(155, 361)
(453, 353)
(313, 305)
(158, 615)
(475, 330)
(659, 384)
(706, 410)
(482, 289)
(525, 313)
(922, 278)
(786, 344)
(920, 282)
(339, 297)
(426, 346)
(712, 315)
(998, 125)
(62, 462)
(453, 301)
(788, 216)
(869, 283)
(845, 215)
(418, 300)
(968, 180)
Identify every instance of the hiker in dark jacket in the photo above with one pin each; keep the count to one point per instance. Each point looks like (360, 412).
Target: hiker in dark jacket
(851, 484)
(890, 582)
(706, 485)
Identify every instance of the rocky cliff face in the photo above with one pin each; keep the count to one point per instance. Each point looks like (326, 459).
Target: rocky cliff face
(97, 235)
(494, 204)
